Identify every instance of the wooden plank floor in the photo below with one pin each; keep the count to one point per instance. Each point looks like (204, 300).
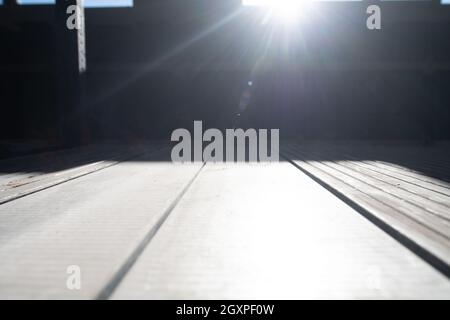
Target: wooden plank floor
(147, 228)
(269, 232)
(96, 222)
(386, 183)
(25, 175)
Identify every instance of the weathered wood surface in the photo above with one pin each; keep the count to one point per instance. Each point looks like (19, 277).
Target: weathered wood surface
(267, 232)
(148, 228)
(387, 183)
(96, 222)
(25, 175)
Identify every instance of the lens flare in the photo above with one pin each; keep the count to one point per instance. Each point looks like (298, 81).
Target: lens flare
(288, 11)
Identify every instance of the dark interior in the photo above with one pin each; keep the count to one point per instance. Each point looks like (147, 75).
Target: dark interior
(162, 64)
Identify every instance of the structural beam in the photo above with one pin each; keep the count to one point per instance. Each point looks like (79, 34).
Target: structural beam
(70, 69)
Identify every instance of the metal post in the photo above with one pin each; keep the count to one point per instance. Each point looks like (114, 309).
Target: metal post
(70, 69)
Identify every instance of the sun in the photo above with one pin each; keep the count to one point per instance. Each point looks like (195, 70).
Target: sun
(288, 11)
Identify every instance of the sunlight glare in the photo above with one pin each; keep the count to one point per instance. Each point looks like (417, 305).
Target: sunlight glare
(288, 11)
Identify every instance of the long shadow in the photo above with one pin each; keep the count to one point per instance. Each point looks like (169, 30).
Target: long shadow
(68, 158)
(429, 160)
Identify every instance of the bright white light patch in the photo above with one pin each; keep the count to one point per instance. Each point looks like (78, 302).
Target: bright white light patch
(288, 10)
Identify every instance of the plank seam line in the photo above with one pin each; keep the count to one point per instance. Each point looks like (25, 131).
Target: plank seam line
(410, 244)
(428, 211)
(390, 168)
(424, 209)
(404, 214)
(110, 287)
(39, 189)
(406, 170)
(349, 163)
(355, 175)
(406, 181)
(401, 212)
(356, 162)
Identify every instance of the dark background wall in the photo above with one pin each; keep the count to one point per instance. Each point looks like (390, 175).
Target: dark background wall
(162, 64)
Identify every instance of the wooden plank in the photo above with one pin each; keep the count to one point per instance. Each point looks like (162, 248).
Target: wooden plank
(391, 173)
(410, 221)
(17, 186)
(95, 222)
(266, 231)
(361, 184)
(55, 161)
(417, 192)
(401, 175)
(425, 159)
(411, 173)
(426, 156)
(424, 200)
(391, 168)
